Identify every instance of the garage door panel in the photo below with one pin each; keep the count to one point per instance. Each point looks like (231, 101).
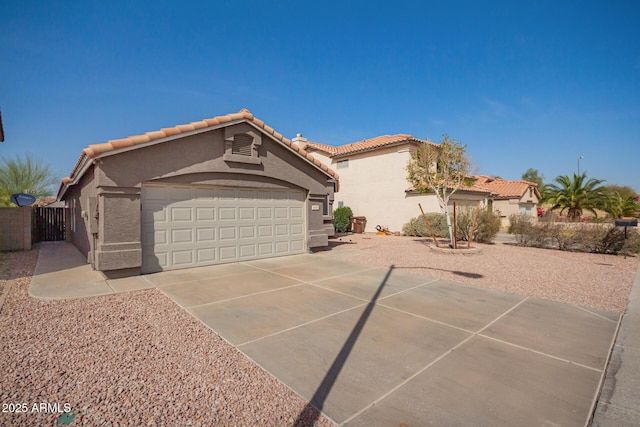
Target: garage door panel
(247, 232)
(206, 234)
(247, 251)
(227, 233)
(296, 213)
(281, 230)
(265, 230)
(265, 213)
(228, 253)
(248, 213)
(265, 249)
(207, 255)
(160, 237)
(192, 226)
(179, 214)
(227, 214)
(183, 257)
(297, 245)
(182, 236)
(296, 230)
(205, 214)
(281, 247)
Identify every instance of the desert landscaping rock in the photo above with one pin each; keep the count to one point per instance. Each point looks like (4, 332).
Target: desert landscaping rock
(589, 280)
(129, 360)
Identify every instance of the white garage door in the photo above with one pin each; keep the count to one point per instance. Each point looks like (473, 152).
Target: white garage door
(184, 226)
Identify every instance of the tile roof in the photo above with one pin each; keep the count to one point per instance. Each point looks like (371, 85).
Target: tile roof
(505, 189)
(96, 150)
(365, 144)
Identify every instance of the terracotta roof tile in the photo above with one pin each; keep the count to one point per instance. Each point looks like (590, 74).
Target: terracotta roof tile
(95, 150)
(365, 144)
(506, 189)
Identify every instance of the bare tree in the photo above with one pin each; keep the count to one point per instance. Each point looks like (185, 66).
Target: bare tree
(440, 169)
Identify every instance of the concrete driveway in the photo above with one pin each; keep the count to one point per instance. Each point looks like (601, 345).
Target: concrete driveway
(380, 347)
(372, 347)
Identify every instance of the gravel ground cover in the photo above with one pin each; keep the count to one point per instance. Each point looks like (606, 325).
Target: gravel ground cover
(133, 359)
(589, 280)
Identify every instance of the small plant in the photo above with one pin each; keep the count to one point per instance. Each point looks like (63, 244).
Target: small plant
(486, 228)
(520, 226)
(342, 219)
(417, 227)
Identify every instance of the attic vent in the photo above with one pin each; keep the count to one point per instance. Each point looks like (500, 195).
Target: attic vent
(242, 144)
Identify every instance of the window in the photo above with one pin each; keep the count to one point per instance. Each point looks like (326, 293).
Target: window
(340, 204)
(343, 164)
(325, 206)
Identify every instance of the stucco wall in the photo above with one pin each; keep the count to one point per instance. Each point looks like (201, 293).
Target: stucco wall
(508, 207)
(195, 159)
(15, 229)
(76, 200)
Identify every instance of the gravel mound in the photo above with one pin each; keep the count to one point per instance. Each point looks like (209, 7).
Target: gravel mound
(133, 359)
(589, 280)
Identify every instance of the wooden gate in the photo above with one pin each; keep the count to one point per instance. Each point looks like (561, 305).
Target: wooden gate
(47, 224)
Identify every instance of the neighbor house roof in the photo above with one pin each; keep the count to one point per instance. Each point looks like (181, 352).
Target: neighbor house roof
(365, 144)
(506, 189)
(115, 146)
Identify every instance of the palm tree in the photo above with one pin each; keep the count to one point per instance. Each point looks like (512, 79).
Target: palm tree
(622, 205)
(576, 194)
(25, 176)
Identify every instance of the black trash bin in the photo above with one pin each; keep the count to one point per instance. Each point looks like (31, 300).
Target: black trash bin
(358, 223)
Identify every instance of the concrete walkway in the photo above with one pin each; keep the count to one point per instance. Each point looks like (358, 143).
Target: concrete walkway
(619, 403)
(373, 346)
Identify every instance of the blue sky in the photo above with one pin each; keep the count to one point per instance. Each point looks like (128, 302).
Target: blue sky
(523, 85)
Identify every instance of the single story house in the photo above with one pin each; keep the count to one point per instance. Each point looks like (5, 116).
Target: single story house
(224, 189)
(511, 197)
(373, 179)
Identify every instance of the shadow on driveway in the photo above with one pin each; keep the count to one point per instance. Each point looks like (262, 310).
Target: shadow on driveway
(309, 415)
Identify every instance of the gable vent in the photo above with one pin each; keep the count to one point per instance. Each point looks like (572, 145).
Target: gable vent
(242, 144)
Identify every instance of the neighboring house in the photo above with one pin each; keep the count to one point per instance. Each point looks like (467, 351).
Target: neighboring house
(511, 197)
(224, 189)
(373, 179)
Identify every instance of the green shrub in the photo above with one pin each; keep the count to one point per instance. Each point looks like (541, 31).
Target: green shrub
(417, 227)
(521, 227)
(342, 219)
(486, 228)
(594, 238)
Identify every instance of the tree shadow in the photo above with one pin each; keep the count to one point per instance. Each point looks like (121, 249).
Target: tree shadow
(312, 410)
(456, 272)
